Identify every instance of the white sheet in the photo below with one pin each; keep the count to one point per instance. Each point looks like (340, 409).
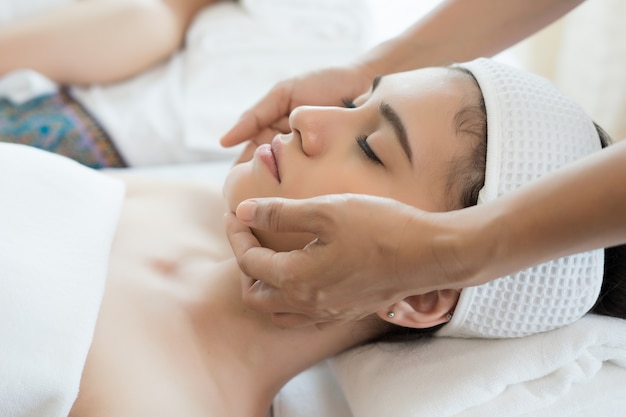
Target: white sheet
(476, 378)
(57, 220)
(577, 371)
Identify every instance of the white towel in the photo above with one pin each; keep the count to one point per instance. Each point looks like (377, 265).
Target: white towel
(57, 220)
(476, 378)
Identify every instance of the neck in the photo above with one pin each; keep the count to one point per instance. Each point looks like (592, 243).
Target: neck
(253, 358)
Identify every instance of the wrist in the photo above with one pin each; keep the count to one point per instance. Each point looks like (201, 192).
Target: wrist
(465, 246)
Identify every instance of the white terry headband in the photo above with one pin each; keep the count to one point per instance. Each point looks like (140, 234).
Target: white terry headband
(532, 130)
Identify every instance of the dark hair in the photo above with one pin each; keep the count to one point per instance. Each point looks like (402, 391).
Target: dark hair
(468, 174)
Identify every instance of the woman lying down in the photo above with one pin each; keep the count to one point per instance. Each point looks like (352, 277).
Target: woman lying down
(172, 336)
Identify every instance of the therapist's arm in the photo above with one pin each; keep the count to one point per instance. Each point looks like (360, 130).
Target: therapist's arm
(362, 263)
(97, 41)
(455, 31)
(461, 30)
(578, 208)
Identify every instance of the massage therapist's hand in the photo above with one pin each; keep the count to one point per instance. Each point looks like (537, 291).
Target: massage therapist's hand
(327, 87)
(369, 253)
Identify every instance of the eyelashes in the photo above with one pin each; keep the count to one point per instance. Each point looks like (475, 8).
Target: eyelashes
(361, 140)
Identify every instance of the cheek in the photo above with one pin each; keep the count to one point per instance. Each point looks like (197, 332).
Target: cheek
(349, 179)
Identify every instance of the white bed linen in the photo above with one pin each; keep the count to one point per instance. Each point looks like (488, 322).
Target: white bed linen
(576, 371)
(511, 377)
(57, 220)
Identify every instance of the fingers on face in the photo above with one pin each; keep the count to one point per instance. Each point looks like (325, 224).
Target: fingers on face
(239, 235)
(313, 215)
(267, 111)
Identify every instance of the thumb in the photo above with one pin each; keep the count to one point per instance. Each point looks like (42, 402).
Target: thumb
(286, 215)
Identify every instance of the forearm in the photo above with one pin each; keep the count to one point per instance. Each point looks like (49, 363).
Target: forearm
(579, 208)
(461, 30)
(96, 41)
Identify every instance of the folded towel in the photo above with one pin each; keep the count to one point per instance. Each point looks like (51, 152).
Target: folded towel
(472, 378)
(57, 220)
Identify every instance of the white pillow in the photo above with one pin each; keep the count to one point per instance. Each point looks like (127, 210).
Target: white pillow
(482, 377)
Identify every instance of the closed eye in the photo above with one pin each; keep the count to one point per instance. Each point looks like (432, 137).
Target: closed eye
(367, 150)
(361, 140)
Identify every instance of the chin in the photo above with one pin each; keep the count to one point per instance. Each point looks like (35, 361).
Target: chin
(241, 184)
(234, 191)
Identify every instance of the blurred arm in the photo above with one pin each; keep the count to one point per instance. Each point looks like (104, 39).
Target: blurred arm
(97, 41)
(461, 30)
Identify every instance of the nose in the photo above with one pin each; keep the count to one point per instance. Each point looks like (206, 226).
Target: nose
(315, 126)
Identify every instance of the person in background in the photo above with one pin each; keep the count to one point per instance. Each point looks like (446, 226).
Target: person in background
(83, 43)
(124, 83)
(357, 239)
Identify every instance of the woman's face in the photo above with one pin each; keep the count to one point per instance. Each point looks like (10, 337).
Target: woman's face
(399, 141)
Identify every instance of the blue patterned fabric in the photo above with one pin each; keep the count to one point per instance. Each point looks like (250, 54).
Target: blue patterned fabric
(59, 124)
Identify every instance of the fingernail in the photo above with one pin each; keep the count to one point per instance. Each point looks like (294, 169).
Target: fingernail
(246, 211)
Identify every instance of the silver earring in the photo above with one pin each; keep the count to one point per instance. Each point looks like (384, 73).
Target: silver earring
(449, 316)
(391, 314)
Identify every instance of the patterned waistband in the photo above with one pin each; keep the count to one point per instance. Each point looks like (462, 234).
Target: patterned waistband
(60, 124)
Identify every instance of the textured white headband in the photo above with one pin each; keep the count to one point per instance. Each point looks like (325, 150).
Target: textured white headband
(532, 130)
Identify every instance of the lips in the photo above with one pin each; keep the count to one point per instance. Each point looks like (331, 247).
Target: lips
(269, 154)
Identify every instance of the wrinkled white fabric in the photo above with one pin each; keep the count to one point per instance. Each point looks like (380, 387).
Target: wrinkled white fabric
(577, 370)
(57, 220)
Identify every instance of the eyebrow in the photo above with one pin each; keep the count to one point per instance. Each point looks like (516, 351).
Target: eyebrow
(392, 117)
(389, 114)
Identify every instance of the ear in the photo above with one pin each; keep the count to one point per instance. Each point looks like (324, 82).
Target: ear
(422, 311)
